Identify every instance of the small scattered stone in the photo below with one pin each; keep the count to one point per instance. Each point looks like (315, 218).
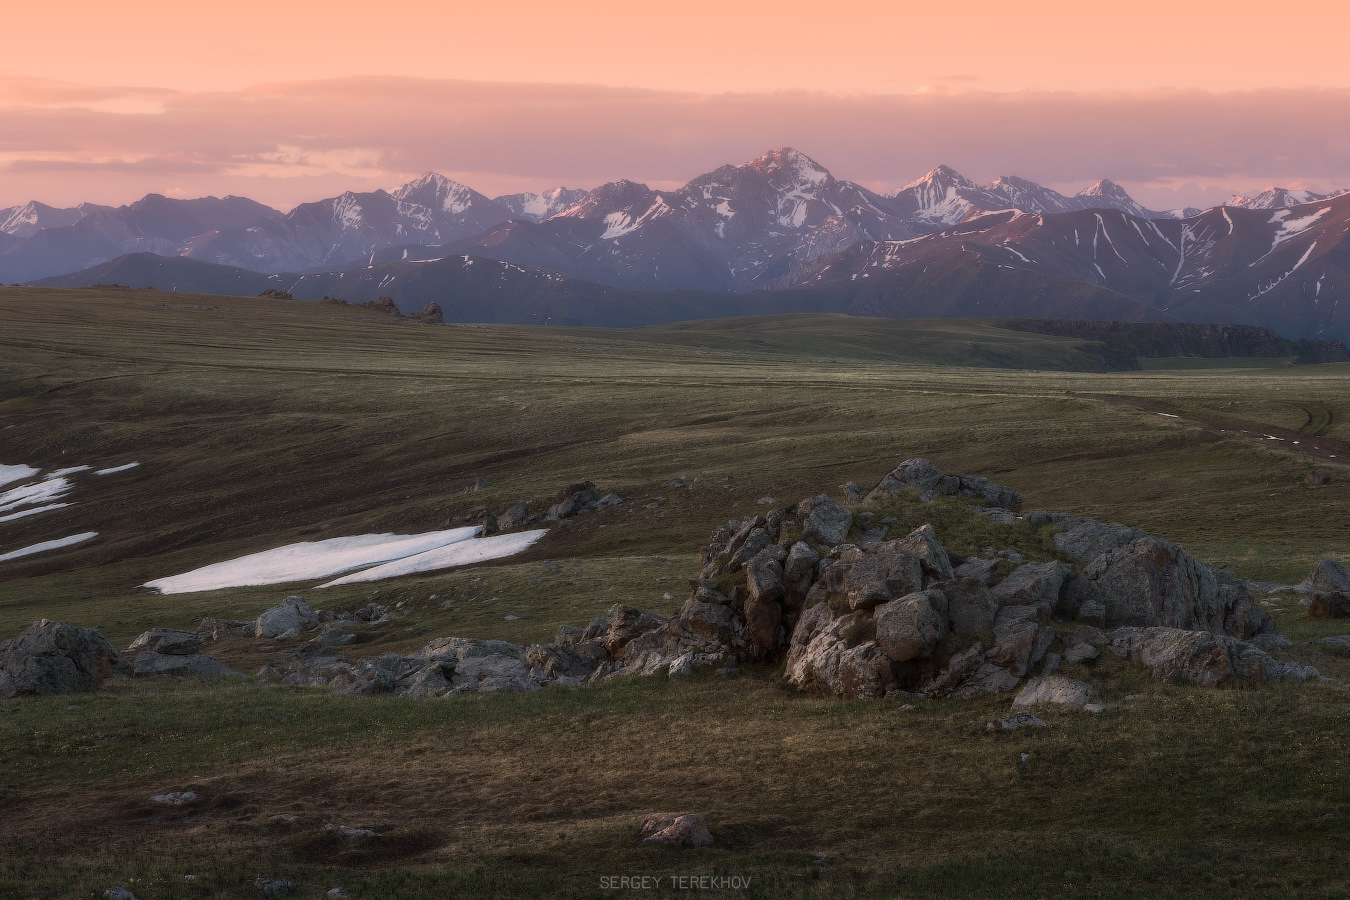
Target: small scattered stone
(174, 798)
(1016, 720)
(512, 618)
(1026, 757)
(337, 893)
(284, 817)
(1094, 707)
(273, 887)
(118, 892)
(351, 833)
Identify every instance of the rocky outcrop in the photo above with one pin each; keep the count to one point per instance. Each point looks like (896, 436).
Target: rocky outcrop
(1201, 657)
(53, 658)
(166, 640)
(863, 620)
(922, 475)
(428, 315)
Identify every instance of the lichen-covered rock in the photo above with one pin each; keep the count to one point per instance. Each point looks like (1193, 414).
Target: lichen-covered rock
(54, 658)
(1152, 582)
(910, 627)
(1203, 658)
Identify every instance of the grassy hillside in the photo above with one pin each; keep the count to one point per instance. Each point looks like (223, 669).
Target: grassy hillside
(258, 423)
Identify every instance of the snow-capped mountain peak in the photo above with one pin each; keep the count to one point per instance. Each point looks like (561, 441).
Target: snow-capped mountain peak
(437, 192)
(788, 167)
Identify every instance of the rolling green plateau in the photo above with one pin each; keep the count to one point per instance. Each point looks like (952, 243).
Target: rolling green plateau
(258, 423)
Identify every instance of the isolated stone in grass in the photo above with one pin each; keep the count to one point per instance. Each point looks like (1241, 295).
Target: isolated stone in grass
(1327, 576)
(1055, 689)
(273, 887)
(676, 830)
(118, 892)
(1337, 644)
(53, 658)
(170, 641)
(1016, 720)
(174, 798)
(351, 833)
(337, 893)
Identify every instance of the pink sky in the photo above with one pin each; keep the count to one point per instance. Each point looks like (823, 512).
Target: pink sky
(1181, 103)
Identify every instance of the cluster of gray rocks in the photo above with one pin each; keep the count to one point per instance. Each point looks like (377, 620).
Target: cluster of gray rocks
(847, 608)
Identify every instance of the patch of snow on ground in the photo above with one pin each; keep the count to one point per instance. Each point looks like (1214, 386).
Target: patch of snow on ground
(459, 554)
(115, 469)
(29, 494)
(9, 474)
(309, 559)
(70, 470)
(31, 512)
(48, 545)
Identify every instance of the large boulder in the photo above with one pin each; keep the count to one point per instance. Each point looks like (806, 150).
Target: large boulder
(763, 613)
(53, 658)
(1203, 658)
(910, 627)
(823, 520)
(624, 623)
(293, 617)
(1152, 582)
(1329, 576)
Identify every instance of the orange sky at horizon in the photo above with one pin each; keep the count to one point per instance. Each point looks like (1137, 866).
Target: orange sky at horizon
(299, 100)
(879, 46)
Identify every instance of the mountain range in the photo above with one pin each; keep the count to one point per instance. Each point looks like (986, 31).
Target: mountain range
(777, 225)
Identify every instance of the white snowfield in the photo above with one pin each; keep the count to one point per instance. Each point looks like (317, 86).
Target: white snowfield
(48, 545)
(310, 559)
(115, 469)
(458, 554)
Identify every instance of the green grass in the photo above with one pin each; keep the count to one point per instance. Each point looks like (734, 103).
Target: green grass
(258, 423)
